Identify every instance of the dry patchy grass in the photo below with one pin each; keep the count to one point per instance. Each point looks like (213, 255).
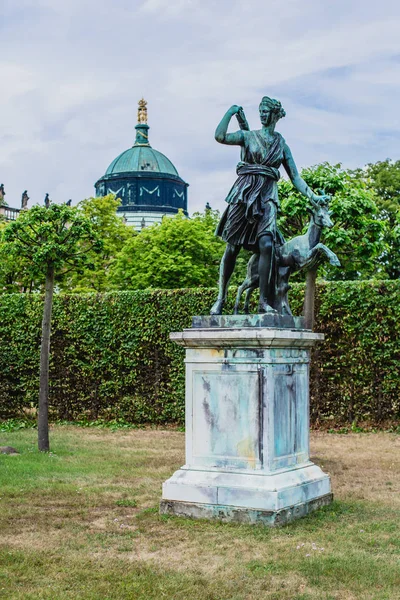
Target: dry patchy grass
(83, 522)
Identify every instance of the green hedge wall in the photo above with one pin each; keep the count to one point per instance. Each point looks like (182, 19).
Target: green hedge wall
(111, 355)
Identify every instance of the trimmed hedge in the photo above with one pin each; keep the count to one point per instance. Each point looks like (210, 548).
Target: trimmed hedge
(111, 356)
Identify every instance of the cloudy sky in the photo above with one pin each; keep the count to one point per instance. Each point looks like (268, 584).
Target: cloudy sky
(72, 71)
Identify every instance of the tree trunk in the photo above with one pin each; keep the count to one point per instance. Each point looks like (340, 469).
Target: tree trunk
(309, 298)
(43, 417)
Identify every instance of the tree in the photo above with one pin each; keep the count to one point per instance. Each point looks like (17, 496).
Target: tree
(177, 253)
(186, 253)
(115, 234)
(357, 236)
(52, 240)
(384, 178)
(16, 272)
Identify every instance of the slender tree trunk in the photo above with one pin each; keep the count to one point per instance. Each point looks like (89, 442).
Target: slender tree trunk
(309, 298)
(43, 417)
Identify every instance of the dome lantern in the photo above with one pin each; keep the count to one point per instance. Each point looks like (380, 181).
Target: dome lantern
(142, 129)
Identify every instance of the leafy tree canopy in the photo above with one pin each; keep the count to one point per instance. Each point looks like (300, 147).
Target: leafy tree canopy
(114, 233)
(16, 272)
(357, 236)
(184, 252)
(384, 178)
(179, 252)
(59, 236)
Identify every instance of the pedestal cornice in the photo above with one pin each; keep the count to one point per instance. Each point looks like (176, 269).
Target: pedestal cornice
(246, 337)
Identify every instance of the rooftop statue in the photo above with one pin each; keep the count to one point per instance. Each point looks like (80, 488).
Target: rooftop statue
(24, 199)
(250, 220)
(142, 111)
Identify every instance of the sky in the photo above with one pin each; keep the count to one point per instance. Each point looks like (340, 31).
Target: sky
(72, 72)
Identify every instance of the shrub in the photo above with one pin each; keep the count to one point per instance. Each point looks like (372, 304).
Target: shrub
(112, 357)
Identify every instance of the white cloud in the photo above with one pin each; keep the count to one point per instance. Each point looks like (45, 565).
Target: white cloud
(169, 8)
(69, 92)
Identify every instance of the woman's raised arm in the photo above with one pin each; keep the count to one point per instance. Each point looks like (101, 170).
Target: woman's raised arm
(221, 135)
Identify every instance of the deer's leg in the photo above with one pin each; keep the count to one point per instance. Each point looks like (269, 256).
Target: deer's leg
(252, 274)
(248, 296)
(282, 290)
(250, 281)
(225, 271)
(313, 257)
(245, 285)
(331, 256)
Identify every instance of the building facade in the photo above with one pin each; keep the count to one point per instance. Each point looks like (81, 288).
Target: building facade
(145, 180)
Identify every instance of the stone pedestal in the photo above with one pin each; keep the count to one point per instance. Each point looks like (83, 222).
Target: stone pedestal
(247, 423)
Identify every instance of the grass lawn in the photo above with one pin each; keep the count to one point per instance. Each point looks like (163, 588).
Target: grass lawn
(82, 522)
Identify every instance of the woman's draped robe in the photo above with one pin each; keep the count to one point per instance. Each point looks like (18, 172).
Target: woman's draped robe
(253, 200)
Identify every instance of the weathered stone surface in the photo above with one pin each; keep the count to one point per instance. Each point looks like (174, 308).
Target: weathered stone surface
(239, 321)
(258, 490)
(248, 516)
(8, 450)
(246, 337)
(247, 426)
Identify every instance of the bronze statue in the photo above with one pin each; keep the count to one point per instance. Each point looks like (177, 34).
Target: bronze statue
(47, 201)
(250, 220)
(2, 192)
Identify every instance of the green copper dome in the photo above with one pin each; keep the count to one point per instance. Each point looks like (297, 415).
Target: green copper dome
(141, 158)
(144, 180)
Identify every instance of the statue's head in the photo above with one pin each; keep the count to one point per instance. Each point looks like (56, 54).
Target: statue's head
(320, 210)
(271, 110)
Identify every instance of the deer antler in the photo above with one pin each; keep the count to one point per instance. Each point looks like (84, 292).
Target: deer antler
(323, 201)
(327, 197)
(314, 203)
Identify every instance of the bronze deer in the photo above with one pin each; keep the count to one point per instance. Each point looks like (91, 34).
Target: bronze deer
(301, 252)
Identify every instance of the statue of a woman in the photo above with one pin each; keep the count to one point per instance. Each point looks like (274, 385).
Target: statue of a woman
(250, 219)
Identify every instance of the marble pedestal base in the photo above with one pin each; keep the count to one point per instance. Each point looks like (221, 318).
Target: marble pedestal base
(247, 425)
(245, 516)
